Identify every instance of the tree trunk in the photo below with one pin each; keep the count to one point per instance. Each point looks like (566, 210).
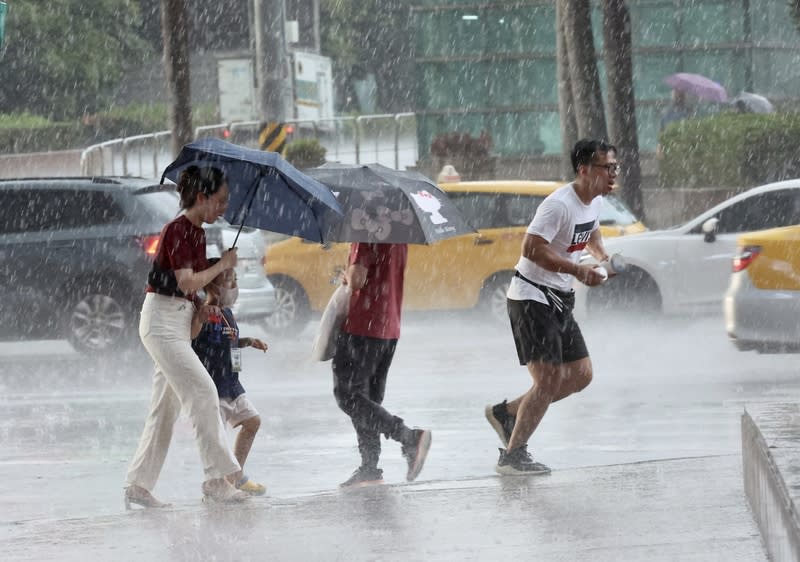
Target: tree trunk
(584, 78)
(621, 104)
(175, 33)
(566, 106)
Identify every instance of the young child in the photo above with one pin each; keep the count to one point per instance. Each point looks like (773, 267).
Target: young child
(216, 341)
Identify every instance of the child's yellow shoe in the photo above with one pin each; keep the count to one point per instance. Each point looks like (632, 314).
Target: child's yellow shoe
(249, 486)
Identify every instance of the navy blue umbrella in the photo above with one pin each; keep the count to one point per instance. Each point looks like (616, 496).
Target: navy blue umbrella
(265, 190)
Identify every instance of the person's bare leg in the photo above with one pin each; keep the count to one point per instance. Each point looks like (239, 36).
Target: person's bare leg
(245, 438)
(576, 376)
(531, 407)
(241, 449)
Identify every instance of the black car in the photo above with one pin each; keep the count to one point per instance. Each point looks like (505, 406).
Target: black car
(74, 257)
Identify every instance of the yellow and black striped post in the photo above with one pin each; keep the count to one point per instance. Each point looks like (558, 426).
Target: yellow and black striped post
(273, 137)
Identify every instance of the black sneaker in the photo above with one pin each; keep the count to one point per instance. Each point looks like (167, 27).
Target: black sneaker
(363, 476)
(416, 451)
(519, 462)
(502, 422)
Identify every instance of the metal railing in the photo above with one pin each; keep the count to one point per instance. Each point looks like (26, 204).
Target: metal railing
(389, 139)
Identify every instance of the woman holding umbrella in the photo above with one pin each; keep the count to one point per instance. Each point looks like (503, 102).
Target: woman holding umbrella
(180, 269)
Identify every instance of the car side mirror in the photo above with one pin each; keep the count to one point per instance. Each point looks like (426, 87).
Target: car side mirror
(710, 229)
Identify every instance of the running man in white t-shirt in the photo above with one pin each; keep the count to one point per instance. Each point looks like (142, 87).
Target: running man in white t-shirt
(540, 301)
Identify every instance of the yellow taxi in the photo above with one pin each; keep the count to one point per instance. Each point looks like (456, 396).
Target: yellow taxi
(460, 273)
(762, 304)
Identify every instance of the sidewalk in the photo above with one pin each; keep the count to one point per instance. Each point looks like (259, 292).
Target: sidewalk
(682, 509)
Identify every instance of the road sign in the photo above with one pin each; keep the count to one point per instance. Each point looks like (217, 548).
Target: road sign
(273, 137)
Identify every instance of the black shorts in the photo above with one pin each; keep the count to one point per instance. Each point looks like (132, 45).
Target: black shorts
(544, 333)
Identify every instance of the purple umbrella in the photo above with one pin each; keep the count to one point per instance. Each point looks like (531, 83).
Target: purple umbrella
(697, 85)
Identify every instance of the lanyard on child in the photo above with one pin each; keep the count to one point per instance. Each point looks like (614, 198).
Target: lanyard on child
(236, 351)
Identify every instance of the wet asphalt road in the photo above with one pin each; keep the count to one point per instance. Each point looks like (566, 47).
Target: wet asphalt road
(663, 389)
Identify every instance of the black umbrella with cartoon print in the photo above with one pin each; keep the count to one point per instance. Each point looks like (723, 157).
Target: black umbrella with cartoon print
(383, 205)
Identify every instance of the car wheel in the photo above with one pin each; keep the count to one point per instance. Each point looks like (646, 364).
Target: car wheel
(493, 297)
(98, 323)
(292, 311)
(631, 292)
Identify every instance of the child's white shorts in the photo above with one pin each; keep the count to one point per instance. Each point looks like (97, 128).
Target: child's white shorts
(235, 411)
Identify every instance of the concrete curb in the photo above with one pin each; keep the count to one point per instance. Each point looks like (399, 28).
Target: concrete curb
(771, 499)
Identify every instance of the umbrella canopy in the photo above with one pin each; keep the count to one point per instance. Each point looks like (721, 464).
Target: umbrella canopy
(382, 205)
(265, 191)
(748, 102)
(697, 85)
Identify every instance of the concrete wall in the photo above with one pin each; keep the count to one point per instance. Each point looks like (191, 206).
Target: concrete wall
(770, 457)
(41, 164)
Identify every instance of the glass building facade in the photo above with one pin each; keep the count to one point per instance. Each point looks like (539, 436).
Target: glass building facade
(492, 66)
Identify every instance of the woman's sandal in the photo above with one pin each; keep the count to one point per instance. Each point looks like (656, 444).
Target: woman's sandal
(223, 492)
(139, 496)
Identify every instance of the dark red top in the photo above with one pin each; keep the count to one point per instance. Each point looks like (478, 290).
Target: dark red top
(375, 308)
(182, 246)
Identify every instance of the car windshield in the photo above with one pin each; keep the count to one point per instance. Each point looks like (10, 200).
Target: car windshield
(615, 212)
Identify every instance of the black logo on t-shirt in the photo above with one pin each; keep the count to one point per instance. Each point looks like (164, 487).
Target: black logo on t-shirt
(580, 236)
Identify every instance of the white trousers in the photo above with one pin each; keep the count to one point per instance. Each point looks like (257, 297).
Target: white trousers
(180, 380)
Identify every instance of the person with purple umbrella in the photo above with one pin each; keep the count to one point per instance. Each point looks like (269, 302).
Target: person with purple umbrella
(678, 110)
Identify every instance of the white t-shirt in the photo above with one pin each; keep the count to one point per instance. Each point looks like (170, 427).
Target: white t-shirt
(566, 223)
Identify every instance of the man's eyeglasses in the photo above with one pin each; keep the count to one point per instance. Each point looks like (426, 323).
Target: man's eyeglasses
(610, 168)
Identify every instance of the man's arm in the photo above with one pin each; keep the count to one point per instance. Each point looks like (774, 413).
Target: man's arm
(538, 250)
(596, 247)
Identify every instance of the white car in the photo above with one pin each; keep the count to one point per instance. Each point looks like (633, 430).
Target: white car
(686, 268)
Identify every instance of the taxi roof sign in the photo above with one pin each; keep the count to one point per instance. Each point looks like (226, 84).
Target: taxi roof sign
(448, 175)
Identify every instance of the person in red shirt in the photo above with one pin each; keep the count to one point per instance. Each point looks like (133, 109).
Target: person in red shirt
(180, 269)
(364, 351)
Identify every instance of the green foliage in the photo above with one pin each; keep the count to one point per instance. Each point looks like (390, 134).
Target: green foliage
(731, 150)
(305, 153)
(140, 118)
(22, 120)
(29, 133)
(63, 57)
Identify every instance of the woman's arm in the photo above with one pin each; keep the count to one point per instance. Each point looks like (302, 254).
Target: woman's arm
(190, 281)
(198, 319)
